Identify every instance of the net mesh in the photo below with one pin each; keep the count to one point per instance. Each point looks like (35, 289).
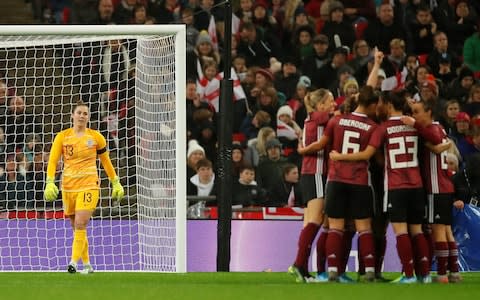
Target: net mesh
(129, 83)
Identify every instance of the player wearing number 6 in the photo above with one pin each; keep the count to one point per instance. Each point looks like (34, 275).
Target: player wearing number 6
(405, 196)
(79, 147)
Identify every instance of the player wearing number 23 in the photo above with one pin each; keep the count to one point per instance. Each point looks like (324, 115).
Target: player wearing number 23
(79, 147)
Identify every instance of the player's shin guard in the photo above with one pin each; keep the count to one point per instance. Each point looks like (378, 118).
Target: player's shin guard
(441, 253)
(85, 256)
(405, 253)
(78, 244)
(347, 247)
(305, 241)
(453, 257)
(380, 248)
(421, 254)
(334, 250)
(321, 251)
(367, 250)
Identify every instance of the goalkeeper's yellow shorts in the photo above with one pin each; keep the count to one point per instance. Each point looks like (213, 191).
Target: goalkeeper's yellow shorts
(84, 200)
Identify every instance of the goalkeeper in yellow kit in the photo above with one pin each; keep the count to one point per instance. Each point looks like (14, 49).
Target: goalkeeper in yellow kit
(79, 146)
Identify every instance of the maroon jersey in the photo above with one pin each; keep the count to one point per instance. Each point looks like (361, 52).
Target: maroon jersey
(435, 168)
(400, 144)
(349, 134)
(312, 131)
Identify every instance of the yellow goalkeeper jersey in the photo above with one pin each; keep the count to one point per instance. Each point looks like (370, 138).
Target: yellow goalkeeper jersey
(79, 158)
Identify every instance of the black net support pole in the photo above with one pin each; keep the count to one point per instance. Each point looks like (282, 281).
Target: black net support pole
(224, 170)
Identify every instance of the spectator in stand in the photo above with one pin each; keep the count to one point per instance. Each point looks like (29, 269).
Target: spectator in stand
(358, 10)
(467, 183)
(105, 13)
(383, 29)
(256, 47)
(449, 115)
(14, 189)
(194, 104)
(123, 12)
(472, 107)
(298, 19)
(286, 80)
(245, 11)
(313, 63)
(422, 74)
(471, 48)
(256, 149)
(3, 100)
(269, 170)
(191, 32)
(83, 12)
(286, 192)
(460, 87)
(395, 62)
(203, 182)
(238, 160)
(302, 43)
(348, 95)
(203, 52)
(339, 32)
(343, 74)
(252, 124)
(323, 77)
(288, 133)
(167, 12)
(246, 191)
(422, 30)
(139, 15)
(195, 153)
(442, 53)
(461, 134)
(263, 20)
(297, 102)
(17, 124)
(460, 25)
(360, 55)
(203, 14)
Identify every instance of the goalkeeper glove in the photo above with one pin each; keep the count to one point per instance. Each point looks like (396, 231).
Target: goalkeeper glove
(51, 190)
(117, 189)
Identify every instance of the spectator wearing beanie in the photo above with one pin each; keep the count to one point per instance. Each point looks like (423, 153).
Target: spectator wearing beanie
(269, 170)
(460, 87)
(286, 80)
(312, 64)
(195, 152)
(203, 51)
(337, 29)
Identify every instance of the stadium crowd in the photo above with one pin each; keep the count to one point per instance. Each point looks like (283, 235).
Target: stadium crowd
(281, 51)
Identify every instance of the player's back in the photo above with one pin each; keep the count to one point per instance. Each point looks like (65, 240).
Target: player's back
(312, 131)
(434, 166)
(80, 159)
(401, 155)
(350, 134)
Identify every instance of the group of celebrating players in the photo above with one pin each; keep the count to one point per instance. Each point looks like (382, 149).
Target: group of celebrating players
(383, 161)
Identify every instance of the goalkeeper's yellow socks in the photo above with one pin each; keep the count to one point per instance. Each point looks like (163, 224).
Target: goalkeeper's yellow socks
(85, 257)
(79, 237)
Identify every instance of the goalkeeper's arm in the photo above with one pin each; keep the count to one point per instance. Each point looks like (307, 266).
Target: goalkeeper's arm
(51, 190)
(117, 188)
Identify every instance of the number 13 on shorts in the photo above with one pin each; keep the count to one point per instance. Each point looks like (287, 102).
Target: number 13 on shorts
(85, 200)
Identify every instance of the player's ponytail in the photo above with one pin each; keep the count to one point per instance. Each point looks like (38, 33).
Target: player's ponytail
(315, 97)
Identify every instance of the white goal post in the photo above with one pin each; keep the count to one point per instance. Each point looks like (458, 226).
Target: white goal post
(133, 79)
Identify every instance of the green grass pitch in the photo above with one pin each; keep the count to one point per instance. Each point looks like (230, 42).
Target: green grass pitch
(277, 286)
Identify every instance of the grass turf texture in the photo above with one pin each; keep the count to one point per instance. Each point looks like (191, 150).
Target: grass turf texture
(264, 285)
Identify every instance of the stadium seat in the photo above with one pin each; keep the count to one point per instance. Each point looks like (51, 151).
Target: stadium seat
(422, 59)
(360, 28)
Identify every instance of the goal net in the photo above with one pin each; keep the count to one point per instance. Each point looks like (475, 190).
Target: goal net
(133, 79)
